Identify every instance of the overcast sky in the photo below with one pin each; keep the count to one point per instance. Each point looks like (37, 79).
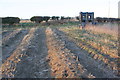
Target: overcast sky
(25, 9)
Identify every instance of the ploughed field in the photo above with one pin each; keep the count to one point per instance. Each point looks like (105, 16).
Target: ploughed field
(66, 52)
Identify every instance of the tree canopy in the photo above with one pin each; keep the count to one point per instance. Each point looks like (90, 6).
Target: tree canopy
(39, 19)
(10, 20)
(46, 18)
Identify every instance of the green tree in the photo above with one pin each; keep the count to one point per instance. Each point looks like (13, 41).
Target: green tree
(62, 17)
(77, 18)
(57, 17)
(46, 18)
(53, 18)
(10, 20)
(37, 19)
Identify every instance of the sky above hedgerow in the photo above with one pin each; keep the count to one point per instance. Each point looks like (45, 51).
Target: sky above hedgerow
(25, 9)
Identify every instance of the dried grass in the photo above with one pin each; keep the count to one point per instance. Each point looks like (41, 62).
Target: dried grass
(110, 28)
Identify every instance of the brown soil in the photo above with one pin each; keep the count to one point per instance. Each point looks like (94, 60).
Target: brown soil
(47, 53)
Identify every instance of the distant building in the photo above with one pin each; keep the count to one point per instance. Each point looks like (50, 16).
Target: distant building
(119, 9)
(87, 17)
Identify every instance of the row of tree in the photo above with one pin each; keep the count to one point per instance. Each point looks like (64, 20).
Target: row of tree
(36, 19)
(104, 19)
(39, 19)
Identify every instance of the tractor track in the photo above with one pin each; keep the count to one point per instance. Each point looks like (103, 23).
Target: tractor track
(48, 53)
(10, 37)
(99, 70)
(9, 65)
(34, 64)
(64, 64)
(28, 60)
(5, 33)
(12, 44)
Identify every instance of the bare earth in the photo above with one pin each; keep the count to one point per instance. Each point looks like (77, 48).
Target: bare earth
(47, 53)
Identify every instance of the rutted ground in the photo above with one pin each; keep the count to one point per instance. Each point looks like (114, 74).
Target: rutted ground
(28, 60)
(11, 41)
(105, 51)
(33, 64)
(64, 64)
(88, 64)
(6, 33)
(46, 53)
(10, 37)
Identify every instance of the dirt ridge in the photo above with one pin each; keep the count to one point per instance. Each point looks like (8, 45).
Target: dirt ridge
(95, 67)
(12, 45)
(10, 37)
(9, 66)
(63, 63)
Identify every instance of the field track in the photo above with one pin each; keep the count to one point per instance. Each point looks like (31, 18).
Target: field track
(47, 53)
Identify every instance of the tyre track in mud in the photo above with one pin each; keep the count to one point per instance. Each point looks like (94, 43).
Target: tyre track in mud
(12, 44)
(99, 70)
(63, 63)
(29, 58)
